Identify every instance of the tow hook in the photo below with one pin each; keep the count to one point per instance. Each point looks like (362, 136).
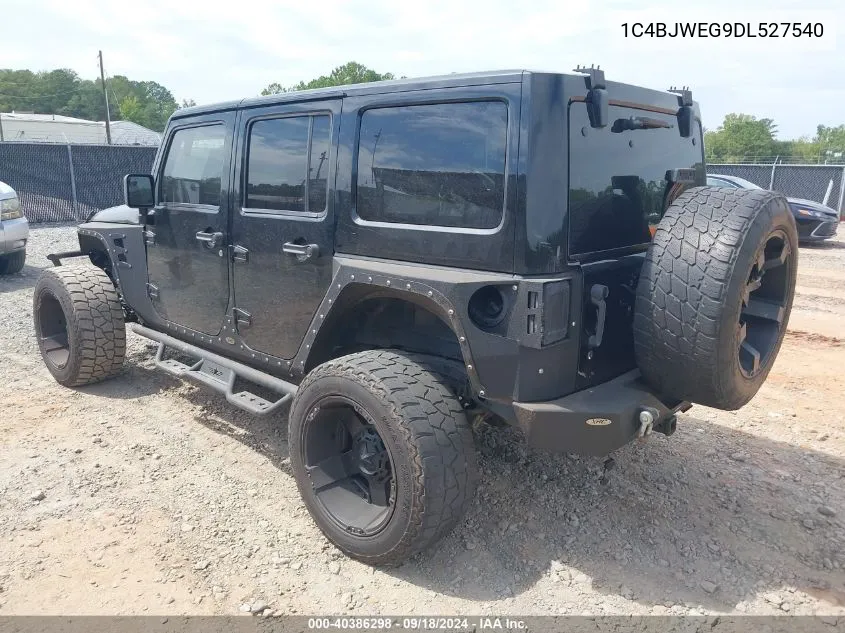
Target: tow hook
(647, 418)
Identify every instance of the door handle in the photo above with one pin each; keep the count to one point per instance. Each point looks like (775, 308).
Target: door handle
(209, 239)
(303, 252)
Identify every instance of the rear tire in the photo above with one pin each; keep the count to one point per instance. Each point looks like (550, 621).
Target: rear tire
(12, 263)
(714, 295)
(79, 324)
(429, 462)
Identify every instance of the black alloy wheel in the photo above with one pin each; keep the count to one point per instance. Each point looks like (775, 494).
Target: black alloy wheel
(349, 466)
(764, 304)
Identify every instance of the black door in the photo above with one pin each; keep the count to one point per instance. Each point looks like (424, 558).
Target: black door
(283, 228)
(187, 255)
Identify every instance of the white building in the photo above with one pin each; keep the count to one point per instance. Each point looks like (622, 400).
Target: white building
(54, 128)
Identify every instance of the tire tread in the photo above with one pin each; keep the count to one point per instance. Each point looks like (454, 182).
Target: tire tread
(435, 430)
(97, 322)
(684, 291)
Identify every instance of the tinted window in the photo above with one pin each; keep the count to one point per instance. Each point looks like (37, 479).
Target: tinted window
(279, 161)
(441, 164)
(617, 176)
(194, 166)
(319, 168)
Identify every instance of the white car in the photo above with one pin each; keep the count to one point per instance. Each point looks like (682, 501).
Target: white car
(14, 231)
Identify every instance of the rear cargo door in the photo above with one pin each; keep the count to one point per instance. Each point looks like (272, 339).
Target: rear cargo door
(620, 183)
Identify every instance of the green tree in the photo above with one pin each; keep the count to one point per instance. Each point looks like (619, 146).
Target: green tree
(18, 90)
(155, 103)
(188, 103)
(87, 103)
(742, 137)
(831, 142)
(274, 89)
(55, 88)
(131, 110)
(61, 91)
(349, 73)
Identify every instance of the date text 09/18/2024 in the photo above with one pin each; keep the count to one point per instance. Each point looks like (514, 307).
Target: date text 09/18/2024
(422, 623)
(723, 29)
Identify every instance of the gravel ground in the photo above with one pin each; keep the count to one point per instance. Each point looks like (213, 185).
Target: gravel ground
(147, 495)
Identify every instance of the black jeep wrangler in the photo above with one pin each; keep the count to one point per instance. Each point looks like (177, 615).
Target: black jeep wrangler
(393, 258)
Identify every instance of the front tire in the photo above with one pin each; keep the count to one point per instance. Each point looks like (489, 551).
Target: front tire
(12, 263)
(382, 454)
(79, 324)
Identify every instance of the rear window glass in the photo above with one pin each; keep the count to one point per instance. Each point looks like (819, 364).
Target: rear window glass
(617, 176)
(440, 164)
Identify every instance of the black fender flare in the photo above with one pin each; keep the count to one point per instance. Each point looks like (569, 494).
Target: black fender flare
(357, 280)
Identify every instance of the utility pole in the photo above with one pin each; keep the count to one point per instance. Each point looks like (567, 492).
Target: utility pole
(106, 97)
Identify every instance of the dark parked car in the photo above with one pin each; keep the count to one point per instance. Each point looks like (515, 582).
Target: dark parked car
(394, 259)
(815, 221)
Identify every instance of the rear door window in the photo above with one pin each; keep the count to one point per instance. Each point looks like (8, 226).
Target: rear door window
(436, 164)
(618, 187)
(287, 165)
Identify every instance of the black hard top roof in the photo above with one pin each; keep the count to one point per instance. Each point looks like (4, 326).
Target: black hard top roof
(627, 92)
(375, 87)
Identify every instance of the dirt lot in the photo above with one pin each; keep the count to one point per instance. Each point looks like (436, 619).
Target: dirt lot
(146, 495)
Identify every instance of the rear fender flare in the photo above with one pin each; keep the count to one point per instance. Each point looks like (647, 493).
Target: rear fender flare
(352, 284)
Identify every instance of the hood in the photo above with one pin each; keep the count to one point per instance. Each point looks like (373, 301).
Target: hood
(121, 214)
(6, 191)
(812, 205)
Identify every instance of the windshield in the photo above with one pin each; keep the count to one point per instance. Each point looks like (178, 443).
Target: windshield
(745, 184)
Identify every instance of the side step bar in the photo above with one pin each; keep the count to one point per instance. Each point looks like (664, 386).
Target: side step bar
(218, 373)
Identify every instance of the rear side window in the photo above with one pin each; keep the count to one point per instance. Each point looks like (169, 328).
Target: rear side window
(194, 166)
(618, 189)
(288, 164)
(439, 164)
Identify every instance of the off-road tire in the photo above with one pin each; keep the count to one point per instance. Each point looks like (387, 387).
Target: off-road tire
(428, 439)
(12, 263)
(691, 289)
(93, 321)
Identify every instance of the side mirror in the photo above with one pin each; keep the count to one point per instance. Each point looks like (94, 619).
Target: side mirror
(138, 191)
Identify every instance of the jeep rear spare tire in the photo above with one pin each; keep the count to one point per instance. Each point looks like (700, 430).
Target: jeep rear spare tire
(382, 454)
(714, 295)
(79, 324)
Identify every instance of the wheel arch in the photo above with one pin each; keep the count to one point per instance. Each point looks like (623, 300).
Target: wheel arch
(94, 246)
(365, 316)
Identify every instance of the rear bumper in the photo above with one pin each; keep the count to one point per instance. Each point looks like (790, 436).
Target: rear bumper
(595, 421)
(13, 235)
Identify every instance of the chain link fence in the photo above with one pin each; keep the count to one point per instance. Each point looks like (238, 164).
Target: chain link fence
(821, 183)
(65, 183)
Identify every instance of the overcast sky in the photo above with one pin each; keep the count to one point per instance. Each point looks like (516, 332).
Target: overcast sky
(212, 51)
